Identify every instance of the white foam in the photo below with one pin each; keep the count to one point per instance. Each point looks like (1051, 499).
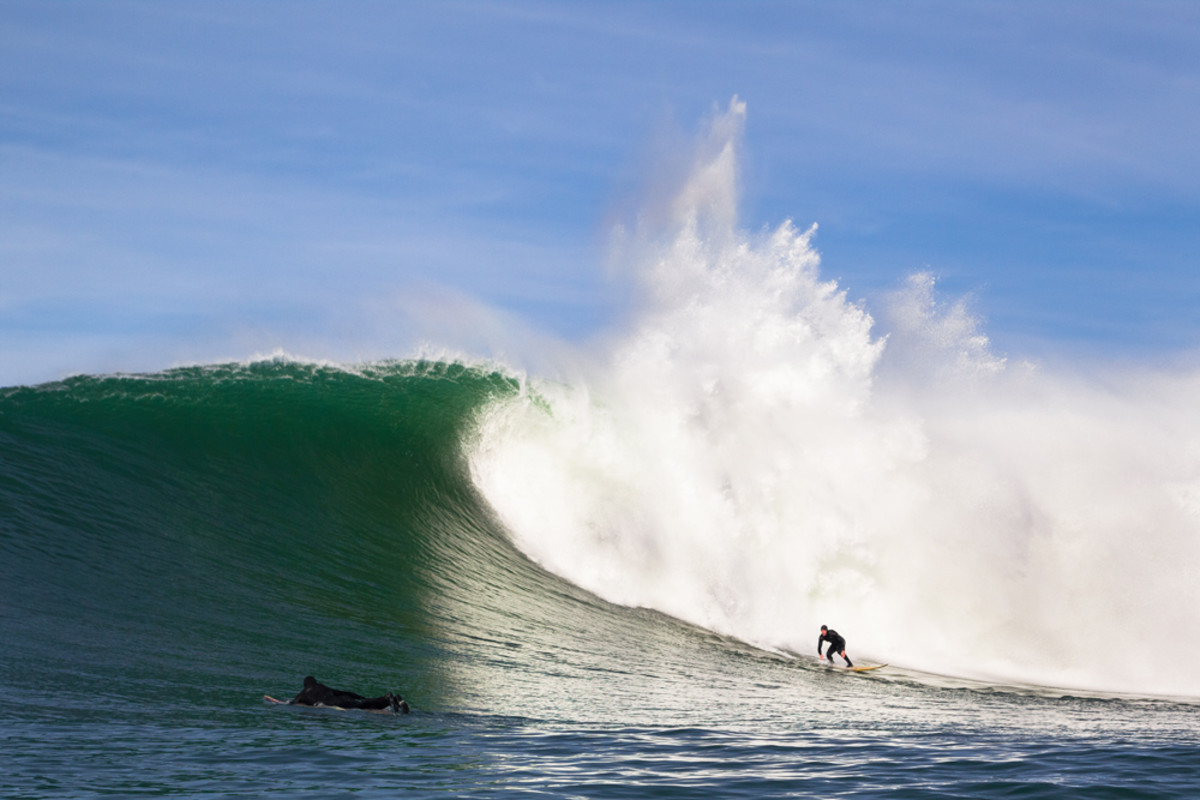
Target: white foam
(752, 456)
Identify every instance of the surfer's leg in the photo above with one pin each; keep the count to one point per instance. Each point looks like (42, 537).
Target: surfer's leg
(848, 662)
(375, 703)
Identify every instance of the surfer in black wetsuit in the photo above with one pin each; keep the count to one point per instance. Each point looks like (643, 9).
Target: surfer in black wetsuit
(318, 694)
(836, 645)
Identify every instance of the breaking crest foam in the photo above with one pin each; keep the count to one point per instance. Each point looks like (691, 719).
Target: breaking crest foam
(758, 455)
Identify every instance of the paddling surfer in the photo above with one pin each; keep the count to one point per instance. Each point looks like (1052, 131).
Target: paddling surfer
(318, 694)
(836, 645)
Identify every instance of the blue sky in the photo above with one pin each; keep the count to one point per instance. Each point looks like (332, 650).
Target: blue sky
(193, 181)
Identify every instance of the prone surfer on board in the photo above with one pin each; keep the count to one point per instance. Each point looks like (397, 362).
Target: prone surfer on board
(318, 694)
(836, 645)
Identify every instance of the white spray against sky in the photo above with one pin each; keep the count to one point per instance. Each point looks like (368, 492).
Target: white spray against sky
(755, 457)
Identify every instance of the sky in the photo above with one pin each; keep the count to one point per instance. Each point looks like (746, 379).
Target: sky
(184, 182)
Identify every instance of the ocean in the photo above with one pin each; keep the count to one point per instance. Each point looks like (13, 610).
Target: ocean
(177, 545)
(605, 578)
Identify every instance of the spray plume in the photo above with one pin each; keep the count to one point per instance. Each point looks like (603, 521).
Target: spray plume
(753, 458)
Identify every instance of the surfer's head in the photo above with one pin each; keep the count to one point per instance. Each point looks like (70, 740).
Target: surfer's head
(310, 682)
(824, 628)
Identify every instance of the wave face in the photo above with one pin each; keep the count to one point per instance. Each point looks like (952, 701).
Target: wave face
(248, 521)
(754, 457)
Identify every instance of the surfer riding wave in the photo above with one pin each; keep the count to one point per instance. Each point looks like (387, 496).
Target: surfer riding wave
(837, 645)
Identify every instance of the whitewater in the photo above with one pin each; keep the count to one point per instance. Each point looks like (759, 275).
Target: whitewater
(753, 456)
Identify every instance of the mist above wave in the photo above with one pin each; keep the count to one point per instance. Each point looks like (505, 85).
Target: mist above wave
(752, 455)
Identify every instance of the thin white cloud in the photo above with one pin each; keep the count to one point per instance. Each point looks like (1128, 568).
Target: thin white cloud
(215, 160)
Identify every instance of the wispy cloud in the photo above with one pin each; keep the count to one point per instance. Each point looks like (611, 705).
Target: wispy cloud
(223, 161)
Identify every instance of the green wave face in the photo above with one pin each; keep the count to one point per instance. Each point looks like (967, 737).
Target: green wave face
(273, 519)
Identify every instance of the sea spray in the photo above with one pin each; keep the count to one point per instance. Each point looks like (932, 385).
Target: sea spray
(753, 457)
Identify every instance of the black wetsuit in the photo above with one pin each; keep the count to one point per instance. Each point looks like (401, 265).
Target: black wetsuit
(837, 645)
(318, 694)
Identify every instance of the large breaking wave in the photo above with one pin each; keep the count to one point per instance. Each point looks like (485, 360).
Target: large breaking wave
(758, 455)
